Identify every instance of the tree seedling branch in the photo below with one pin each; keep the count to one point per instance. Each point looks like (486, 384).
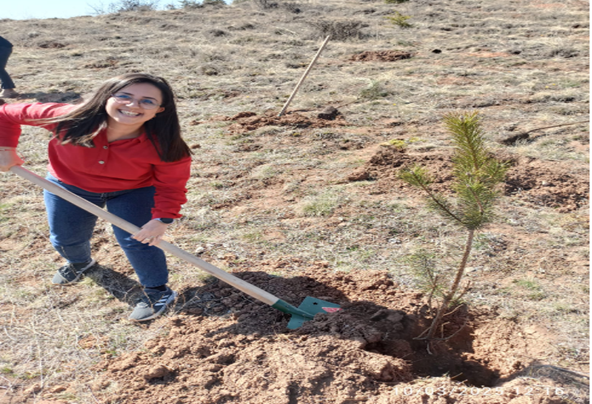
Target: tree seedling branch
(476, 175)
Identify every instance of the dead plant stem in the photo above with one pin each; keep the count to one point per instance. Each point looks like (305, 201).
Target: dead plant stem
(554, 126)
(453, 311)
(456, 332)
(40, 354)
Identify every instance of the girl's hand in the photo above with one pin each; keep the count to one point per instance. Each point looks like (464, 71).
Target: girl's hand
(151, 233)
(9, 158)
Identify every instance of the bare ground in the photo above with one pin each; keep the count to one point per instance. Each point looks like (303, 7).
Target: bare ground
(310, 204)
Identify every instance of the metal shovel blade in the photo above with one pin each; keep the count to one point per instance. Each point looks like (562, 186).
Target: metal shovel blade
(311, 306)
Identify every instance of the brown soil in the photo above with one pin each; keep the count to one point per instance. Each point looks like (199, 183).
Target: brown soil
(239, 350)
(250, 121)
(539, 183)
(524, 338)
(226, 347)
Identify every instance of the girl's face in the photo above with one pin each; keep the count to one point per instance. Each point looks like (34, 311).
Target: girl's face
(134, 104)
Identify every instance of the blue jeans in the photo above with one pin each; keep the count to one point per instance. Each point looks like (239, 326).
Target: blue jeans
(71, 228)
(5, 79)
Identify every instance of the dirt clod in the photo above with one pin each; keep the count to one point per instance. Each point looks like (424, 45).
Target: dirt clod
(157, 371)
(329, 113)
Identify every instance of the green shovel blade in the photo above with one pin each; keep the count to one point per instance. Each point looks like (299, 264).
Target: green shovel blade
(311, 306)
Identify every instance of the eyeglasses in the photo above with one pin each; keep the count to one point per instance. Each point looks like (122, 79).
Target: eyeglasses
(145, 103)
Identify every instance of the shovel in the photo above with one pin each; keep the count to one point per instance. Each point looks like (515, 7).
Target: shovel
(306, 311)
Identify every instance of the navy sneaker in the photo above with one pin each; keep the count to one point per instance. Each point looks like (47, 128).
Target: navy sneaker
(152, 304)
(71, 273)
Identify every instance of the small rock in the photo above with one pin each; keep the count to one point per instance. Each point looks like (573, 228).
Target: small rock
(393, 123)
(373, 337)
(379, 315)
(156, 372)
(219, 309)
(329, 113)
(34, 389)
(100, 385)
(361, 175)
(242, 317)
(396, 316)
(254, 336)
(58, 389)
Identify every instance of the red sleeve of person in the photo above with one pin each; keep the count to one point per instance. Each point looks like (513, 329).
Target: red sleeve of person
(120, 149)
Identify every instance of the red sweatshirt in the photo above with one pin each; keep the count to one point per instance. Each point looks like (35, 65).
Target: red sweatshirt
(107, 167)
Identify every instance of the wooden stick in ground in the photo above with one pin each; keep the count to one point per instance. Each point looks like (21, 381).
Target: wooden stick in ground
(304, 76)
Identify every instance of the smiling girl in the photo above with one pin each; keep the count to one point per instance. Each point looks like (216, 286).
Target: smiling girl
(121, 149)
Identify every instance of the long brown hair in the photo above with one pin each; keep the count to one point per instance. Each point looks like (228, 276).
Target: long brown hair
(81, 125)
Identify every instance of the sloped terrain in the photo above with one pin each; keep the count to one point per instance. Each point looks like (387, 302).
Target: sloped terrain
(310, 204)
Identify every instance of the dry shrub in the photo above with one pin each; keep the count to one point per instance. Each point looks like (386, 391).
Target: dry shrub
(273, 5)
(217, 3)
(132, 5)
(339, 30)
(267, 4)
(186, 5)
(51, 45)
(292, 7)
(217, 33)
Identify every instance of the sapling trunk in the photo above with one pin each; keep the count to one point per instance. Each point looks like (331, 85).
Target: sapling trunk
(452, 292)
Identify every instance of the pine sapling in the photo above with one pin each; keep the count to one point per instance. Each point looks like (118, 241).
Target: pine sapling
(476, 175)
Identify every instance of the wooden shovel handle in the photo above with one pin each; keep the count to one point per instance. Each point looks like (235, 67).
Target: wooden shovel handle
(241, 285)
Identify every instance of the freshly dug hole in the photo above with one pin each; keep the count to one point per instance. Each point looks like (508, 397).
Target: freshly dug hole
(392, 333)
(361, 351)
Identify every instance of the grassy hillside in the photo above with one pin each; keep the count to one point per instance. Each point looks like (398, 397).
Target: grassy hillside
(305, 195)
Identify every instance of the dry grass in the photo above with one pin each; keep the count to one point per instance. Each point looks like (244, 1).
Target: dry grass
(288, 197)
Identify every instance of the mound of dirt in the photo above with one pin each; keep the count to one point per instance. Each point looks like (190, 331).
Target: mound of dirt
(548, 183)
(380, 56)
(541, 183)
(249, 121)
(239, 350)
